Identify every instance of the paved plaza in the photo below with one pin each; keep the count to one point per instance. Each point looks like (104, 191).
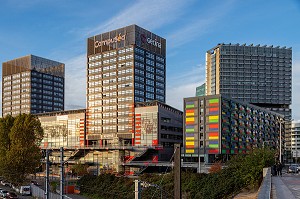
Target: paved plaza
(286, 187)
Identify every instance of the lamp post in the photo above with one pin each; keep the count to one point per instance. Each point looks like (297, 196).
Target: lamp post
(280, 142)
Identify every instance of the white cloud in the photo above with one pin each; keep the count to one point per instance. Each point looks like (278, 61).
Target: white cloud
(184, 85)
(200, 25)
(150, 14)
(175, 95)
(75, 90)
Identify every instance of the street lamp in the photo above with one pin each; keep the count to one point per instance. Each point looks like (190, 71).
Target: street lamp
(280, 142)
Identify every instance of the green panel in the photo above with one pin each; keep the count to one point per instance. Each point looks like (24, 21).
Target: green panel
(189, 130)
(189, 106)
(213, 100)
(213, 146)
(215, 120)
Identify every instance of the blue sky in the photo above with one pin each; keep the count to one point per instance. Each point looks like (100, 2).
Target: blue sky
(57, 29)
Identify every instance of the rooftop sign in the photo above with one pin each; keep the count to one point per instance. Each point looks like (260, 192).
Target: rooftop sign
(116, 39)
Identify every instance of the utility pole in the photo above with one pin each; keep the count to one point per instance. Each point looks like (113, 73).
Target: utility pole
(177, 171)
(137, 189)
(62, 173)
(47, 174)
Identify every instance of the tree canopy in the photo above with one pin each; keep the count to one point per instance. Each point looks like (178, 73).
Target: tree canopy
(20, 138)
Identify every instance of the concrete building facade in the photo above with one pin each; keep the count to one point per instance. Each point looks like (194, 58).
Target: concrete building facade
(32, 84)
(260, 75)
(157, 127)
(125, 66)
(295, 140)
(217, 126)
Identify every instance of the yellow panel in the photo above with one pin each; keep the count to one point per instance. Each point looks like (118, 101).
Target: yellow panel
(190, 138)
(189, 143)
(190, 119)
(214, 117)
(189, 150)
(190, 114)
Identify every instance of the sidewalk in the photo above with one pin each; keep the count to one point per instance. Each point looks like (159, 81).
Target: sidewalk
(280, 190)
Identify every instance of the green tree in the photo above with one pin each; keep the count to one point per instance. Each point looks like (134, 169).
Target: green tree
(6, 124)
(80, 169)
(23, 155)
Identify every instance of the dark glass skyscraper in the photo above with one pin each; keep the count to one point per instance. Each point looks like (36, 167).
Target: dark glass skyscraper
(32, 84)
(125, 66)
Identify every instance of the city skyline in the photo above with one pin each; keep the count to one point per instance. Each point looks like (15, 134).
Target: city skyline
(190, 28)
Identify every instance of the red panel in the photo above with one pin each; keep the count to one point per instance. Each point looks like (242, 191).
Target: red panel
(189, 146)
(45, 144)
(213, 134)
(213, 151)
(154, 142)
(189, 122)
(213, 125)
(190, 111)
(214, 104)
(155, 158)
(213, 109)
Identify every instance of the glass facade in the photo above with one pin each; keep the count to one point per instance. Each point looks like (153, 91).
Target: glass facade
(32, 84)
(63, 129)
(200, 90)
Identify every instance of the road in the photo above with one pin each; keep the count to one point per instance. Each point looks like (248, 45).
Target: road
(287, 186)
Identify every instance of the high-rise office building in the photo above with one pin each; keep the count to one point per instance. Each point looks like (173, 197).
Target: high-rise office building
(260, 75)
(32, 84)
(200, 90)
(125, 66)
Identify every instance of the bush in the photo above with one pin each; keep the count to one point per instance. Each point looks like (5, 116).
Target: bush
(242, 171)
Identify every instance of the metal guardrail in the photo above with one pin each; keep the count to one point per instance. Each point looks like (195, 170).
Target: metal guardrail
(264, 191)
(149, 163)
(95, 147)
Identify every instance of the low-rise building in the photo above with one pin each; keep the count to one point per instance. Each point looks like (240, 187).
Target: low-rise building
(216, 127)
(157, 127)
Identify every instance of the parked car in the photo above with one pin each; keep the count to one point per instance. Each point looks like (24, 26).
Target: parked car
(296, 165)
(3, 193)
(25, 190)
(11, 195)
(293, 169)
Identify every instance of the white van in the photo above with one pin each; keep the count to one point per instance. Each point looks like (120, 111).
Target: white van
(25, 190)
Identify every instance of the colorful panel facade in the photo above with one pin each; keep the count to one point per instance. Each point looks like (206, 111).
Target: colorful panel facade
(246, 126)
(227, 126)
(191, 127)
(212, 132)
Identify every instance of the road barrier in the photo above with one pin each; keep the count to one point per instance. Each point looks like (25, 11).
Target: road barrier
(264, 191)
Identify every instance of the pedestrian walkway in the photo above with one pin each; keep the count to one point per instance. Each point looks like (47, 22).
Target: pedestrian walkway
(286, 187)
